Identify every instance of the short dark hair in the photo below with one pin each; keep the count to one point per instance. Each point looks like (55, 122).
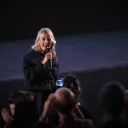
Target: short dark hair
(111, 97)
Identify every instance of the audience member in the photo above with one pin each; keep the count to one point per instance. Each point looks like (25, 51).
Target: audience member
(112, 103)
(64, 101)
(23, 109)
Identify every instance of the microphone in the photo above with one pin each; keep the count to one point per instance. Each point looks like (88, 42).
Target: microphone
(50, 61)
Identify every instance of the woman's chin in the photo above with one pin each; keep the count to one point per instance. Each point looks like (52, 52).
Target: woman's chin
(43, 49)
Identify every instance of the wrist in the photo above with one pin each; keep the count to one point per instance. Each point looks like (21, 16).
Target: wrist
(9, 120)
(43, 62)
(42, 118)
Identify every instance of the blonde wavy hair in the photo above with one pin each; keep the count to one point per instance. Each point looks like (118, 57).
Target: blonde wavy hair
(40, 34)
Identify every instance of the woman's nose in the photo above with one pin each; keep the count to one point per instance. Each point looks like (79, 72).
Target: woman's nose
(46, 41)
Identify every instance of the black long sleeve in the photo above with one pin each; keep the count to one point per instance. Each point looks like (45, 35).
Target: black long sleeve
(35, 72)
(55, 68)
(31, 71)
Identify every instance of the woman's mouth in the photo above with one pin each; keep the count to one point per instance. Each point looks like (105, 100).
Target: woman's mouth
(45, 46)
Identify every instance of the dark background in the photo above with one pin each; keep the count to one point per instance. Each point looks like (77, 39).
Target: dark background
(22, 19)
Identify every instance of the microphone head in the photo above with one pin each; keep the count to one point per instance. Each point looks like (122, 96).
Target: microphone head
(48, 50)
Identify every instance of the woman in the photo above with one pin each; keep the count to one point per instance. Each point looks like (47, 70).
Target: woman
(125, 111)
(73, 83)
(40, 66)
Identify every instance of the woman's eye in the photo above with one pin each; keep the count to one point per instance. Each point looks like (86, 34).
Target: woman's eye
(47, 39)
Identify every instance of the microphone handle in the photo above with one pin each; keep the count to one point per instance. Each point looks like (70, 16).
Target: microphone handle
(49, 50)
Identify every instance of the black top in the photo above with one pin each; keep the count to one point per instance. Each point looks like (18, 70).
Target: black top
(54, 117)
(73, 122)
(37, 74)
(114, 124)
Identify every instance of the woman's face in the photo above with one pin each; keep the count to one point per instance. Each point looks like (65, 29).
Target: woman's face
(45, 42)
(12, 109)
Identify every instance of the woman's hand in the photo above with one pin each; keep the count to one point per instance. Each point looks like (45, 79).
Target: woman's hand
(5, 115)
(47, 57)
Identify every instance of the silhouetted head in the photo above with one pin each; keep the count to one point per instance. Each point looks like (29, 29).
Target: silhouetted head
(126, 96)
(64, 100)
(72, 82)
(125, 112)
(23, 106)
(112, 98)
